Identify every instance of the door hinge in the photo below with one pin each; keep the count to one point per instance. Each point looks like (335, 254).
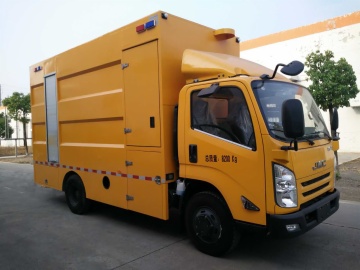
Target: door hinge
(128, 163)
(127, 130)
(125, 65)
(129, 198)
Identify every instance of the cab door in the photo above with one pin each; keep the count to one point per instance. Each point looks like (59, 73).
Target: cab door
(223, 146)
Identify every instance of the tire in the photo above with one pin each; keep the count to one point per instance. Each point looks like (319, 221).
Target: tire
(76, 195)
(210, 224)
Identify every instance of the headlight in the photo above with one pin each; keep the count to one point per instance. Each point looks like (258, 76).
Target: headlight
(285, 187)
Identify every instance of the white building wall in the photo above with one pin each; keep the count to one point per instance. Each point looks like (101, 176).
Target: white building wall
(344, 42)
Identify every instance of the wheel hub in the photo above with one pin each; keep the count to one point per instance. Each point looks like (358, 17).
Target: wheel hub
(207, 225)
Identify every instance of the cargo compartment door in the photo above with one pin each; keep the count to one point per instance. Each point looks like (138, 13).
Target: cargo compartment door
(141, 87)
(147, 191)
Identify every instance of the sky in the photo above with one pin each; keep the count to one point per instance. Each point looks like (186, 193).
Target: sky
(34, 30)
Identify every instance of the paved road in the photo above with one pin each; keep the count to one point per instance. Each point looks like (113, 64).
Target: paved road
(38, 231)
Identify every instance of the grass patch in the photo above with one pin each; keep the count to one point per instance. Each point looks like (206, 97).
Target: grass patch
(6, 151)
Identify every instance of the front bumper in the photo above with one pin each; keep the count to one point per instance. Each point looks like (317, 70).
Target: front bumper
(306, 218)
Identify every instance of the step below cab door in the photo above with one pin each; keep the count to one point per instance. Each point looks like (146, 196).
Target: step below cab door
(222, 145)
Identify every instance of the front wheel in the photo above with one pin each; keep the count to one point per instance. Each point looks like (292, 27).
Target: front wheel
(76, 195)
(210, 225)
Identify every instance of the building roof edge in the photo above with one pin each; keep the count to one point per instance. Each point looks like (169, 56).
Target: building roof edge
(331, 24)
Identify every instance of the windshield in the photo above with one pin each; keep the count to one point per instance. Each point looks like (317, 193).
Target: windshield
(271, 95)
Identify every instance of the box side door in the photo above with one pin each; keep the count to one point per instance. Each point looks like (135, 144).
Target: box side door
(141, 87)
(147, 191)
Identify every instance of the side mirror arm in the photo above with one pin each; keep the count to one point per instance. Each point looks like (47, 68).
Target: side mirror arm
(287, 148)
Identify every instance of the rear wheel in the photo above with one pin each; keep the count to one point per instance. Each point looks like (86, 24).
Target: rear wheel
(210, 225)
(76, 195)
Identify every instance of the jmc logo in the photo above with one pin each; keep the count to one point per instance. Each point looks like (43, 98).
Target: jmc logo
(319, 164)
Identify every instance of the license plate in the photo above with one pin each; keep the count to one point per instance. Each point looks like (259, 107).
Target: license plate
(323, 212)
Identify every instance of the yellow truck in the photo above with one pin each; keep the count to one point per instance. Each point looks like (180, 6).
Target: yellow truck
(162, 114)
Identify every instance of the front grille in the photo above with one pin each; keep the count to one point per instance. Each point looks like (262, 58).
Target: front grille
(315, 186)
(307, 193)
(313, 181)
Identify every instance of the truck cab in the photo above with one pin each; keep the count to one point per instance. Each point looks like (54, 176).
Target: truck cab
(258, 144)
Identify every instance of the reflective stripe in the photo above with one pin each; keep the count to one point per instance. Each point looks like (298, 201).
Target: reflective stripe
(118, 173)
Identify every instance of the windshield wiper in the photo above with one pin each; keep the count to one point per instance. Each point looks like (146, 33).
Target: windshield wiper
(274, 129)
(310, 141)
(307, 139)
(316, 134)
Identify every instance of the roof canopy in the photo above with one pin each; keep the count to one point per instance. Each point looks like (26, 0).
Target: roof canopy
(200, 66)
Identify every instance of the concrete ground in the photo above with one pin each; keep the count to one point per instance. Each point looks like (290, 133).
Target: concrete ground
(348, 180)
(38, 231)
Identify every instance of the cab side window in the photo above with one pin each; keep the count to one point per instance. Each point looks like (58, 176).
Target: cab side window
(224, 114)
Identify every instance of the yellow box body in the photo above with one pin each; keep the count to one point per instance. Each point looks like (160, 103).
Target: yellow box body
(97, 99)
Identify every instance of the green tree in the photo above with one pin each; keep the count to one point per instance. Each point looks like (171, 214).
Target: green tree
(333, 82)
(5, 129)
(19, 108)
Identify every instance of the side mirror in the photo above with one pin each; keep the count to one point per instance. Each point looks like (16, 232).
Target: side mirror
(335, 120)
(294, 68)
(293, 119)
